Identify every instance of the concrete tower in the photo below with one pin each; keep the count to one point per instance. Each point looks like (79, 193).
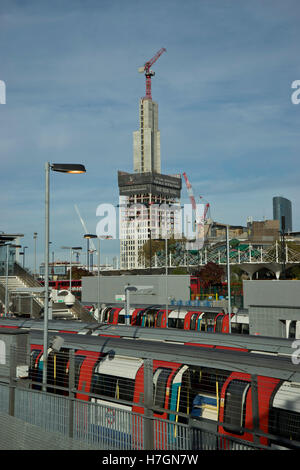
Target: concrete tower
(146, 141)
(149, 200)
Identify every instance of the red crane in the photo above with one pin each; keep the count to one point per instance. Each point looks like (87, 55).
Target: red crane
(190, 192)
(149, 73)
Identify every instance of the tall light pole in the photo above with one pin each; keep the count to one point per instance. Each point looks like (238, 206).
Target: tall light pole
(34, 239)
(8, 246)
(228, 276)
(167, 300)
(103, 237)
(62, 168)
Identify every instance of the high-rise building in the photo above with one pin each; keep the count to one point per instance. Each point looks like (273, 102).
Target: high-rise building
(149, 200)
(283, 207)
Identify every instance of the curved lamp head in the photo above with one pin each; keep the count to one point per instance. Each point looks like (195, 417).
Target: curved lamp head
(68, 168)
(89, 235)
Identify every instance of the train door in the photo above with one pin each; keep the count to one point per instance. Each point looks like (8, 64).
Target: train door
(166, 383)
(136, 318)
(120, 316)
(284, 416)
(112, 316)
(105, 313)
(85, 362)
(220, 324)
(236, 410)
(190, 320)
(161, 319)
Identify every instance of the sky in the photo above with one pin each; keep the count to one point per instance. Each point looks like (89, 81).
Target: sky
(223, 87)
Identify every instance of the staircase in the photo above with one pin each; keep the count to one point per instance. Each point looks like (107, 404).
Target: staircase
(34, 305)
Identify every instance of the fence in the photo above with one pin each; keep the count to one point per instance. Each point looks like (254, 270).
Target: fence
(32, 418)
(117, 402)
(44, 421)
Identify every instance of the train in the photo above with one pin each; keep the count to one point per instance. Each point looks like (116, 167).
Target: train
(190, 379)
(211, 319)
(218, 387)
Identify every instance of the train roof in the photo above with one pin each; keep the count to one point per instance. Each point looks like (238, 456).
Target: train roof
(239, 361)
(267, 344)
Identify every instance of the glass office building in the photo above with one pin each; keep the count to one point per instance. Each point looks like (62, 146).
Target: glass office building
(283, 207)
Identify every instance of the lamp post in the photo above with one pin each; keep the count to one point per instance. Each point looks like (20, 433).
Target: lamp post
(71, 248)
(34, 239)
(103, 237)
(228, 277)
(62, 168)
(8, 246)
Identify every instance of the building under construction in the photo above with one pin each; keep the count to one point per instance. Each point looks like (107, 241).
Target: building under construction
(149, 200)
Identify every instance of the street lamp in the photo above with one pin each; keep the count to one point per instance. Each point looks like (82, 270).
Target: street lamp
(71, 248)
(103, 237)
(9, 245)
(228, 276)
(34, 239)
(62, 168)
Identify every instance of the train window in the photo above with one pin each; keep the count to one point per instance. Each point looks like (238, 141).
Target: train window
(219, 323)
(176, 323)
(159, 318)
(78, 363)
(111, 316)
(139, 318)
(105, 316)
(121, 319)
(111, 386)
(245, 328)
(236, 328)
(285, 424)
(235, 406)
(160, 380)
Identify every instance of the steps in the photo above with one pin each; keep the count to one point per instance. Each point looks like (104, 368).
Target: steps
(34, 305)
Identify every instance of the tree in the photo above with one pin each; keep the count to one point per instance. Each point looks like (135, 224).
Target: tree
(78, 273)
(153, 246)
(211, 274)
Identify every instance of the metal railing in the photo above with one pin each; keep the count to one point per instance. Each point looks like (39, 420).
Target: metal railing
(102, 423)
(99, 426)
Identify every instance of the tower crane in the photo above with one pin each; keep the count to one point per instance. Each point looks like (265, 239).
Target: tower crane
(149, 73)
(191, 196)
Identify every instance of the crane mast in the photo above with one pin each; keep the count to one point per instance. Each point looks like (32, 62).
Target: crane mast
(149, 73)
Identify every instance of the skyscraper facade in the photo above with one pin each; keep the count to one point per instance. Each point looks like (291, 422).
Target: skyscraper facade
(283, 207)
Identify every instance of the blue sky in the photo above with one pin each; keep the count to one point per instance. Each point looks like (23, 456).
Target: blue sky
(72, 92)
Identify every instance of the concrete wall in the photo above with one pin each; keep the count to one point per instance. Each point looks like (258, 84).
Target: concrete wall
(112, 286)
(277, 293)
(270, 305)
